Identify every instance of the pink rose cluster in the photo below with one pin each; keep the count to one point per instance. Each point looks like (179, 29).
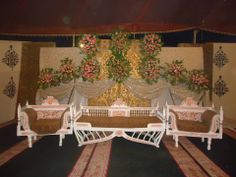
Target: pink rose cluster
(46, 78)
(88, 44)
(199, 79)
(152, 44)
(120, 41)
(152, 69)
(176, 69)
(66, 69)
(90, 69)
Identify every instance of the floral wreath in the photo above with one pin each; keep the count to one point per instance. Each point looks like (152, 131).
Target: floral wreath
(48, 78)
(88, 44)
(175, 73)
(151, 44)
(67, 70)
(89, 69)
(118, 69)
(150, 69)
(198, 81)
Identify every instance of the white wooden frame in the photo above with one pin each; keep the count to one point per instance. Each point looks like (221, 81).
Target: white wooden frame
(23, 127)
(215, 131)
(86, 134)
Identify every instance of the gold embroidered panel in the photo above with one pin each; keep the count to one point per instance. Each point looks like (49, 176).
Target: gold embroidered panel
(118, 91)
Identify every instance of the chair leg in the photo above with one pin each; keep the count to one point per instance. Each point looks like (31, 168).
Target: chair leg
(209, 144)
(176, 141)
(35, 137)
(30, 141)
(203, 139)
(60, 139)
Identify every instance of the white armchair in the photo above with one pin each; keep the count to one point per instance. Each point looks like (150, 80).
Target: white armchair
(191, 120)
(45, 119)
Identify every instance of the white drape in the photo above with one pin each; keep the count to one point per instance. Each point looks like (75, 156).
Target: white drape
(78, 92)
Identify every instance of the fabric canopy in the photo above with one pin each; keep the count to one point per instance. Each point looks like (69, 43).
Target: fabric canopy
(68, 17)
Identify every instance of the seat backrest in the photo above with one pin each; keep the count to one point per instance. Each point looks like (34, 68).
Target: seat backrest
(32, 114)
(207, 116)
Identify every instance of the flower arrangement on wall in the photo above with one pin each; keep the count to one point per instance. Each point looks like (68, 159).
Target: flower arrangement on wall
(151, 45)
(118, 65)
(48, 78)
(89, 69)
(175, 72)
(67, 71)
(118, 69)
(197, 81)
(150, 69)
(88, 44)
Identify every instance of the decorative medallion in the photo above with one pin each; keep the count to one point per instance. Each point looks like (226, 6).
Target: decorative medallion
(220, 58)
(11, 58)
(220, 87)
(10, 89)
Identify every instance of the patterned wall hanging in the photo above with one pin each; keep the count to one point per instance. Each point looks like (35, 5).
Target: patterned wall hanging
(220, 58)
(220, 87)
(10, 89)
(11, 58)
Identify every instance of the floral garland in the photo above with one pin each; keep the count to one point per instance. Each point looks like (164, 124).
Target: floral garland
(118, 69)
(48, 78)
(150, 69)
(175, 73)
(151, 44)
(89, 69)
(118, 66)
(88, 44)
(119, 44)
(67, 70)
(198, 81)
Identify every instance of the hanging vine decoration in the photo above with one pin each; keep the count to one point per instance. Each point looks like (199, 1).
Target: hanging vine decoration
(10, 89)
(11, 58)
(220, 87)
(220, 58)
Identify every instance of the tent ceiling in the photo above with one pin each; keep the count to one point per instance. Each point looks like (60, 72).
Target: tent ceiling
(62, 17)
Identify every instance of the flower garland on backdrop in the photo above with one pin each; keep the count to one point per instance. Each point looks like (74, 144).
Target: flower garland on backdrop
(90, 67)
(119, 67)
(88, 44)
(149, 67)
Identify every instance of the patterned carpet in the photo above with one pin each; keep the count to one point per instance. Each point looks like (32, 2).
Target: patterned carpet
(117, 158)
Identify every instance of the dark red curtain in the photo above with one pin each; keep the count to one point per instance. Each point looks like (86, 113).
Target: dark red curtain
(67, 17)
